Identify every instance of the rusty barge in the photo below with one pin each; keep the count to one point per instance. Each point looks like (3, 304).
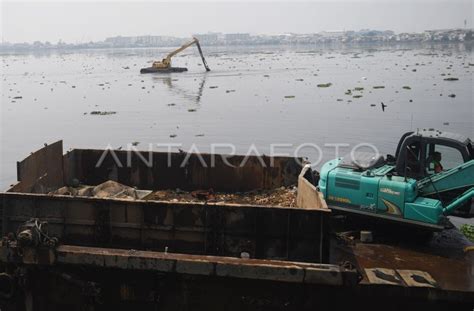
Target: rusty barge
(92, 230)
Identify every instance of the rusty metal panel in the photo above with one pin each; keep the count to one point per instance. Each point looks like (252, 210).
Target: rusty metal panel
(42, 171)
(308, 196)
(195, 228)
(280, 271)
(160, 170)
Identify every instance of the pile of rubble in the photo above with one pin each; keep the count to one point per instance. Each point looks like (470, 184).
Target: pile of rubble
(283, 196)
(108, 189)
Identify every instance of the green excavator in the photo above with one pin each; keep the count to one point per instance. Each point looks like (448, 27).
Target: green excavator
(430, 177)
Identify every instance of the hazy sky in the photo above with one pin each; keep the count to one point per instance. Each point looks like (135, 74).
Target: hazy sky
(79, 21)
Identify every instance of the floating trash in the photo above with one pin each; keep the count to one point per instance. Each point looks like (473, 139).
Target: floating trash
(102, 113)
(325, 84)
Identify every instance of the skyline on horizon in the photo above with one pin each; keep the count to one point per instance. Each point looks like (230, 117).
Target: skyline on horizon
(86, 21)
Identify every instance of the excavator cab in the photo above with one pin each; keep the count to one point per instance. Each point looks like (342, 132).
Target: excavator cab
(427, 152)
(416, 152)
(430, 177)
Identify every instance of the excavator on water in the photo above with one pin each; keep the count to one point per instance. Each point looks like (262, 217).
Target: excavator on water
(430, 177)
(164, 66)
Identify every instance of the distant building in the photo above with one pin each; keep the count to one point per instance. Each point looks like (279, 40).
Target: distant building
(208, 38)
(237, 37)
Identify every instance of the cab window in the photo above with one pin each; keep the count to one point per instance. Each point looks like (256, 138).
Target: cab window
(413, 156)
(441, 158)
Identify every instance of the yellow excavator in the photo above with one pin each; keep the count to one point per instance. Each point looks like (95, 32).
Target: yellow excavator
(164, 65)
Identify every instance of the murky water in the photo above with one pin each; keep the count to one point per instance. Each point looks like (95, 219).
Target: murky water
(253, 95)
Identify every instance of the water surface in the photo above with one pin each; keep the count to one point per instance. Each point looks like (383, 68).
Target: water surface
(253, 95)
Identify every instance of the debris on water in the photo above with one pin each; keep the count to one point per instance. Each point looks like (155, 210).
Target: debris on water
(452, 95)
(358, 88)
(290, 96)
(325, 84)
(451, 79)
(406, 87)
(173, 135)
(191, 110)
(379, 87)
(102, 113)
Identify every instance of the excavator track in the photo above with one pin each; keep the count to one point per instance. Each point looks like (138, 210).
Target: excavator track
(164, 70)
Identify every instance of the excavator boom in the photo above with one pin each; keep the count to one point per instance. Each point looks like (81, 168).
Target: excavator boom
(165, 64)
(459, 177)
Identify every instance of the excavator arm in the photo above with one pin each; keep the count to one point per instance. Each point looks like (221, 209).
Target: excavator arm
(166, 62)
(459, 177)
